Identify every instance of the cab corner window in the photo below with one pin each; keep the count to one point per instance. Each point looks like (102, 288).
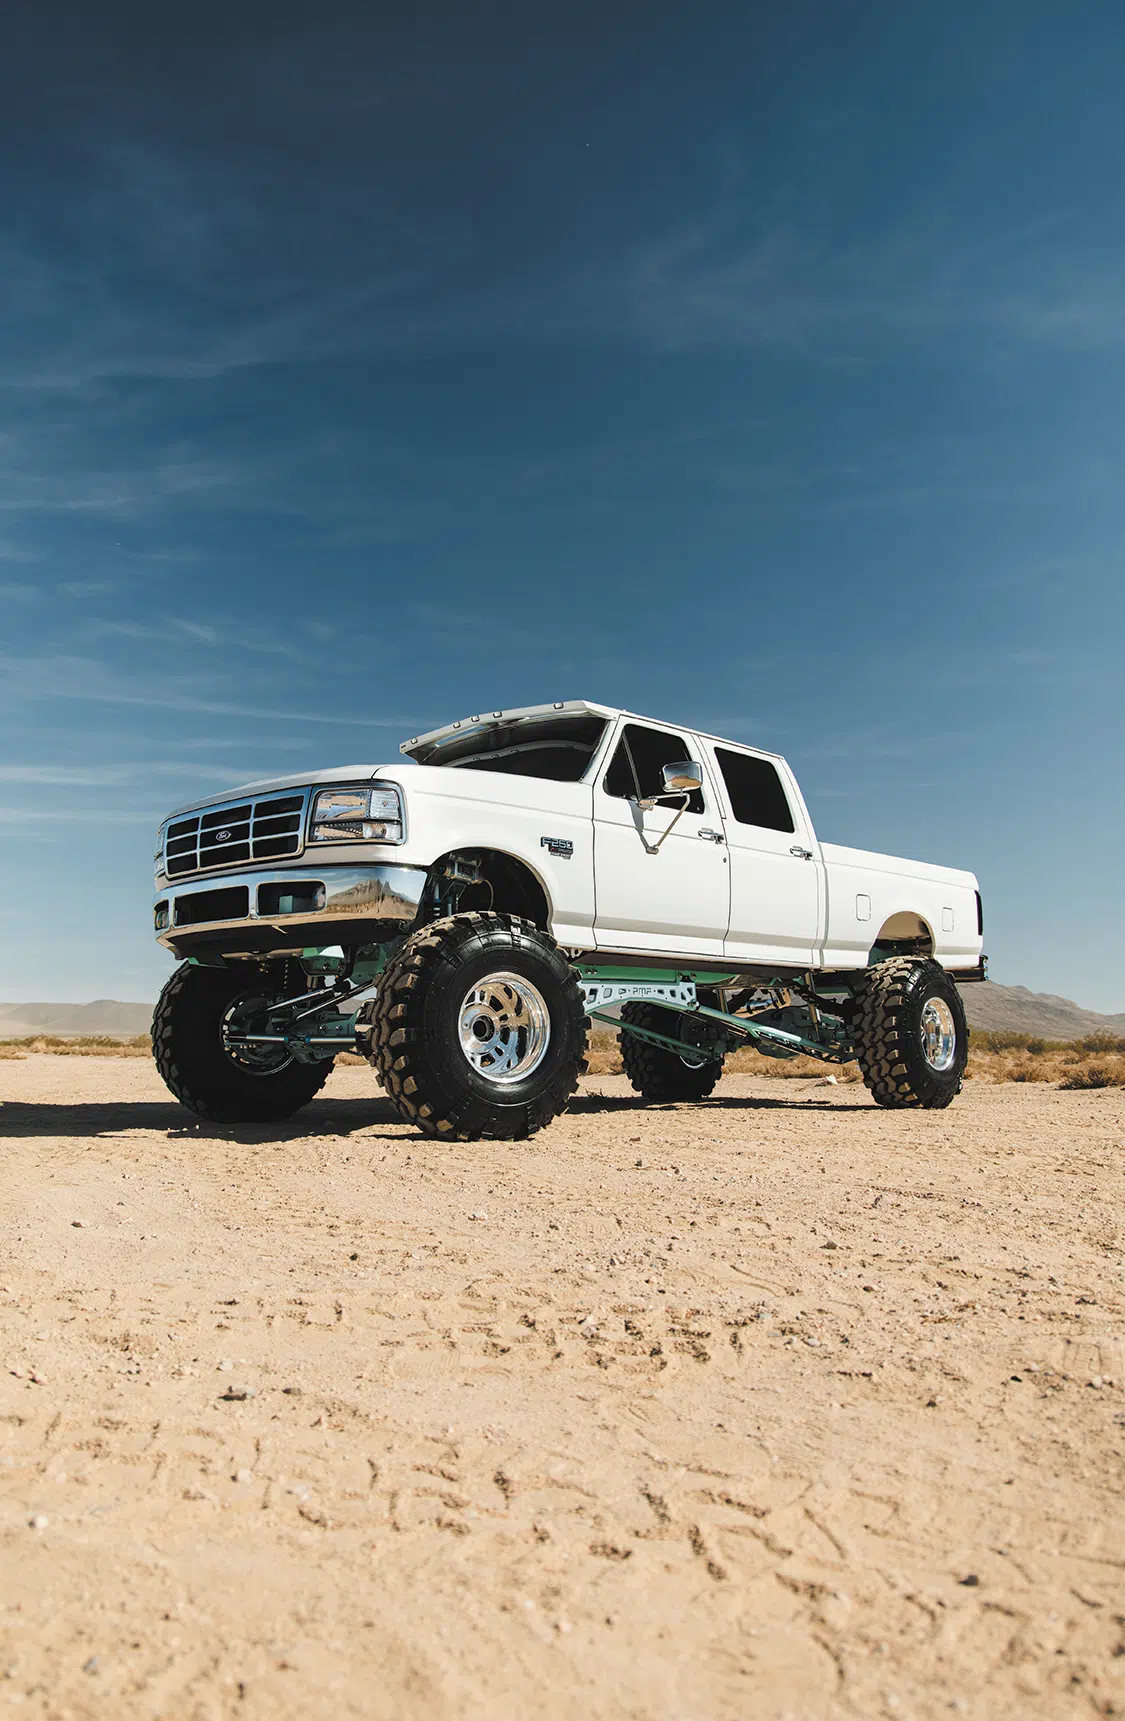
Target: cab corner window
(757, 795)
(636, 769)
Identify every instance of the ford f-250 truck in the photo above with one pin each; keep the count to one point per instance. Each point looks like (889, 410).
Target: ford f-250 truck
(461, 915)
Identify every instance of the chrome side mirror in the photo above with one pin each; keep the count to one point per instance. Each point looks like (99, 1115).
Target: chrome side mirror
(682, 777)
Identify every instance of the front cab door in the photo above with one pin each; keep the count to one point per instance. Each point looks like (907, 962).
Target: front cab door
(676, 900)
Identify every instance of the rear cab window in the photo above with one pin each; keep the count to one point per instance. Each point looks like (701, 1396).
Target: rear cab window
(755, 791)
(636, 769)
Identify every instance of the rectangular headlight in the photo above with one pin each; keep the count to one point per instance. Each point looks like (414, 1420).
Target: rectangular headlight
(357, 815)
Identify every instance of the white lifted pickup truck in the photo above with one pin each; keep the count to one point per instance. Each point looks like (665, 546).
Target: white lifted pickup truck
(460, 915)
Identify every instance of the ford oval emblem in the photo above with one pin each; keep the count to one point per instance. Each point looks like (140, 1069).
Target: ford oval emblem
(223, 836)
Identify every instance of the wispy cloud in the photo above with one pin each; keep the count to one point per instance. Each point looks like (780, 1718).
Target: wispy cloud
(10, 552)
(178, 270)
(165, 273)
(222, 634)
(729, 281)
(275, 743)
(34, 816)
(31, 680)
(114, 776)
(142, 488)
(90, 588)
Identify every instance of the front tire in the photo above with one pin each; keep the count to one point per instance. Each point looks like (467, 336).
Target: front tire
(478, 1029)
(911, 1036)
(657, 1072)
(190, 1053)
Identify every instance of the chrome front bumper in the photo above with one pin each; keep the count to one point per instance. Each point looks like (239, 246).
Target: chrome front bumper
(287, 907)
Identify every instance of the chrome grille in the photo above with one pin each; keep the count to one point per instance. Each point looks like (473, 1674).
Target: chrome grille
(234, 833)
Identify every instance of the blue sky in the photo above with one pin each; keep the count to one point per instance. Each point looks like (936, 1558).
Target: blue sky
(760, 367)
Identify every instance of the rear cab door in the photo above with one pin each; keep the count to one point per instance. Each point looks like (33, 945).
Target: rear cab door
(676, 900)
(776, 876)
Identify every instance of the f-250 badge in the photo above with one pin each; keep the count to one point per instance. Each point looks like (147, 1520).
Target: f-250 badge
(561, 846)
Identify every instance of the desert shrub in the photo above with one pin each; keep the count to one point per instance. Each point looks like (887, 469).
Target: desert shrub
(87, 1046)
(1101, 1041)
(747, 1062)
(603, 1058)
(1007, 1040)
(1096, 1075)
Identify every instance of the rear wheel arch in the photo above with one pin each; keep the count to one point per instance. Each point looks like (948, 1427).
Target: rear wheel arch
(904, 933)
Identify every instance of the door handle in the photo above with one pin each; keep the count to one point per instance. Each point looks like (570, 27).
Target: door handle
(712, 836)
(801, 854)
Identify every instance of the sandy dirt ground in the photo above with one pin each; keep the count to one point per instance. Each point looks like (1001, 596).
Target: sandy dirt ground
(774, 1406)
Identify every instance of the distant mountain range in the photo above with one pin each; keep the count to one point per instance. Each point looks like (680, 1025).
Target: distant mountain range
(103, 1016)
(1011, 1008)
(1016, 1010)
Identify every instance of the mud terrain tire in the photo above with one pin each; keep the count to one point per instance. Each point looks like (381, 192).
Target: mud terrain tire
(187, 1044)
(657, 1072)
(478, 1029)
(906, 1012)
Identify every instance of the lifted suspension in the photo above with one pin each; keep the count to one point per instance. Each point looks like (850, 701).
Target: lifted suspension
(676, 992)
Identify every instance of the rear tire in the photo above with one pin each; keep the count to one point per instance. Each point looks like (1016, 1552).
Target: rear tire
(657, 1072)
(911, 1036)
(478, 1029)
(187, 1044)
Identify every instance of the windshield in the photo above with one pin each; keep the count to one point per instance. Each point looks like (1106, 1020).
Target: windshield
(557, 748)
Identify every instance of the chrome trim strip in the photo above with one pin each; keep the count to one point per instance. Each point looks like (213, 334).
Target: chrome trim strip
(353, 893)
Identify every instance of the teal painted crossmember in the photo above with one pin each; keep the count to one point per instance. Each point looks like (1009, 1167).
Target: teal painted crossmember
(739, 1025)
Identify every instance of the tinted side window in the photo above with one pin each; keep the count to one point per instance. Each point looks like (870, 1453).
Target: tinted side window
(755, 789)
(651, 750)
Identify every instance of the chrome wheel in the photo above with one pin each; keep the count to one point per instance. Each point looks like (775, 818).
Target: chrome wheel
(504, 1027)
(939, 1034)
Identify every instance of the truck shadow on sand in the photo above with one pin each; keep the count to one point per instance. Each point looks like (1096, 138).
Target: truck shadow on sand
(322, 1118)
(116, 1117)
(587, 1103)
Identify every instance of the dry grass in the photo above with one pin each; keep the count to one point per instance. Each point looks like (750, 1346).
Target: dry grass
(92, 1046)
(605, 1060)
(1096, 1062)
(1098, 1073)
